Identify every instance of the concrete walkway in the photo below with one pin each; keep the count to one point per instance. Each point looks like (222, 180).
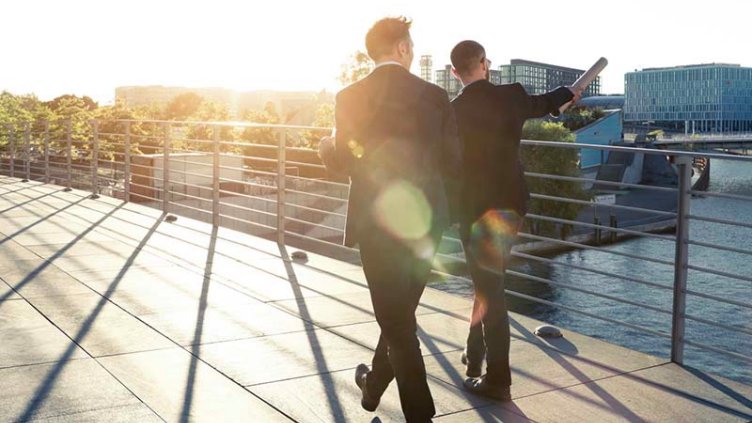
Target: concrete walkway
(110, 313)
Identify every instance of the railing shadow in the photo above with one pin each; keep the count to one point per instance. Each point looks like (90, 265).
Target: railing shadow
(198, 330)
(48, 383)
(335, 407)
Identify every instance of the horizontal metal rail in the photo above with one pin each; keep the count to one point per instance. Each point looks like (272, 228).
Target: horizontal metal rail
(585, 313)
(610, 206)
(585, 291)
(722, 195)
(674, 153)
(326, 197)
(319, 181)
(315, 210)
(310, 238)
(303, 164)
(719, 247)
(186, 173)
(188, 196)
(719, 273)
(737, 329)
(533, 216)
(590, 247)
(252, 197)
(248, 209)
(719, 299)
(590, 270)
(719, 351)
(317, 225)
(596, 181)
(250, 184)
(720, 221)
(191, 208)
(224, 216)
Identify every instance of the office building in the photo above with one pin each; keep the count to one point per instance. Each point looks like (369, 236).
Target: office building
(536, 78)
(540, 78)
(701, 98)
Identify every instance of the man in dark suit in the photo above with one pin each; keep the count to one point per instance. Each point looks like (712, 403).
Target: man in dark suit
(493, 202)
(396, 138)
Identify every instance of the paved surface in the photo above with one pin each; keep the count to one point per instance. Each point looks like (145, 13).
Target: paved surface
(109, 313)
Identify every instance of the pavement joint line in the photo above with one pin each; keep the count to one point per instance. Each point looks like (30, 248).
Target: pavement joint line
(150, 326)
(42, 363)
(73, 341)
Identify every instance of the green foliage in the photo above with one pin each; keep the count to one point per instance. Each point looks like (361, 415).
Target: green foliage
(183, 107)
(552, 161)
(578, 117)
(357, 67)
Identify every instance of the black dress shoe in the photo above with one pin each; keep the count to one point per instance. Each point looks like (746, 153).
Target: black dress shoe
(482, 387)
(367, 402)
(472, 369)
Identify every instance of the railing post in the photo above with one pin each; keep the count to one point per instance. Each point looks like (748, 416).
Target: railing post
(46, 152)
(127, 163)
(281, 188)
(215, 177)
(27, 152)
(69, 158)
(12, 145)
(95, 160)
(166, 169)
(684, 168)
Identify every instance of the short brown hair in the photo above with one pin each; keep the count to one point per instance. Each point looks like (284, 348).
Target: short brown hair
(466, 55)
(384, 34)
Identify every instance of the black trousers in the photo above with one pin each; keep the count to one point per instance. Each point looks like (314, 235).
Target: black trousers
(487, 246)
(397, 272)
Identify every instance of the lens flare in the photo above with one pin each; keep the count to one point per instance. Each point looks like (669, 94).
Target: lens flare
(356, 149)
(403, 211)
(492, 237)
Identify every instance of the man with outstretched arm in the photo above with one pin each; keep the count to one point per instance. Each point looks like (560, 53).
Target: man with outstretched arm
(492, 203)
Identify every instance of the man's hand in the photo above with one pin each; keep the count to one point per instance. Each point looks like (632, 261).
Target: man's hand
(326, 147)
(576, 92)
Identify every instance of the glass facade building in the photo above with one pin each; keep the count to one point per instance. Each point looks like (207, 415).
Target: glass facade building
(540, 78)
(695, 98)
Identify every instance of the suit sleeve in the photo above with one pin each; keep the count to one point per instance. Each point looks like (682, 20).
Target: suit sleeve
(451, 158)
(340, 159)
(536, 106)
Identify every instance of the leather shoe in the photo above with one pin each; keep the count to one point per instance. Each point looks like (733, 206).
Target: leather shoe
(482, 387)
(367, 402)
(472, 369)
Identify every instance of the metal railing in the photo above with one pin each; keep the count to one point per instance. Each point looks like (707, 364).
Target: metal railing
(201, 170)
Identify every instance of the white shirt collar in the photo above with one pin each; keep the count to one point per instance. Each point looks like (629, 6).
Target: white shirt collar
(385, 63)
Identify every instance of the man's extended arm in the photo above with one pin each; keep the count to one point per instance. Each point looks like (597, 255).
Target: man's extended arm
(536, 106)
(451, 158)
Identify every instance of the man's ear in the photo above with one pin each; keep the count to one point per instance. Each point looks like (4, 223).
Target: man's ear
(455, 73)
(403, 47)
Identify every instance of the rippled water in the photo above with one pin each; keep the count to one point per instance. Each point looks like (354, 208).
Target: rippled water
(727, 177)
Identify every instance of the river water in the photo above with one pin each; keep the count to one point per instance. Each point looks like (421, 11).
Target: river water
(733, 177)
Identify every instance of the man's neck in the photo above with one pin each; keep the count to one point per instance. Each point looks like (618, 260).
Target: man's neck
(386, 62)
(468, 81)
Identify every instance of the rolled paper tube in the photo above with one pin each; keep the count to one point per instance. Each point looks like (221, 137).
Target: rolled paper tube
(586, 79)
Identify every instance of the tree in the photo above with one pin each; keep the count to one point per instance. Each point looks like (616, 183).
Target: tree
(358, 66)
(183, 106)
(552, 161)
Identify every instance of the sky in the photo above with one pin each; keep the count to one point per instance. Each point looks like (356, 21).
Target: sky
(53, 47)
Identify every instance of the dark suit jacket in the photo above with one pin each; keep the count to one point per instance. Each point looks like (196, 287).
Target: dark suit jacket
(490, 120)
(394, 128)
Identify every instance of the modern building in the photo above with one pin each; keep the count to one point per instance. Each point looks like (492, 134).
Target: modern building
(713, 97)
(539, 78)
(447, 81)
(426, 67)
